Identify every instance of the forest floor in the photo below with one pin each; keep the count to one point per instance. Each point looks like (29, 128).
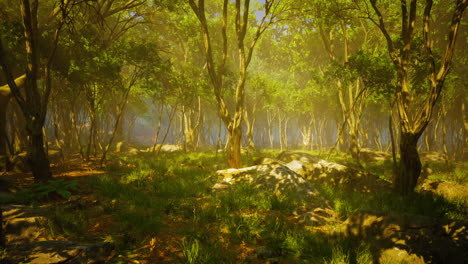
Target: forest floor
(163, 210)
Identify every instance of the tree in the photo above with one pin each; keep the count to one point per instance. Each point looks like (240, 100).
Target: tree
(216, 69)
(414, 120)
(32, 102)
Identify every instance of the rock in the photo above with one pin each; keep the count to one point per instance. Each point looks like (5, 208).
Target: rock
(399, 256)
(431, 156)
(272, 177)
(370, 155)
(322, 171)
(311, 167)
(449, 190)
(50, 252)
(282, 181)
(119, 147)
(171, 148)
(437, 241)
(267, 161)
(133, 151)
(288, 156)
(317, 217)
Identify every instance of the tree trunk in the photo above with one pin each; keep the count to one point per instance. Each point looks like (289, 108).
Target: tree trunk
(2, 239)
(120, 112)
(250, 124)
(233, 148)
(3, 131)
(171, 118)
(270, 129)
(465, 130)
(219, 141)
(158, 129)
(410, 164)
(37, 157)
(392, 141)
(444, 133)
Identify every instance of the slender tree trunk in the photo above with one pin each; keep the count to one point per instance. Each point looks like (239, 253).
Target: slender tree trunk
(171, 118)
(158, 129)
(280, 131)
(392, 141)
(285, 132)
(270, 129)
(219, 141)
(76, 131)
(120, 111)
(444, 133)
(2, 239)
(464, 110)
(3, 126)
(250, 123)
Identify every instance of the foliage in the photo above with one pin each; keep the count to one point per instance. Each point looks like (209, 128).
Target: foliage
(53, 188)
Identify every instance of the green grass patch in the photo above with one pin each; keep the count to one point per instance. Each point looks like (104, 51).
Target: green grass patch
(346, 203)
(173, 192)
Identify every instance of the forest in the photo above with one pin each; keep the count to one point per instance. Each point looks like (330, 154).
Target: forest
(233, 131)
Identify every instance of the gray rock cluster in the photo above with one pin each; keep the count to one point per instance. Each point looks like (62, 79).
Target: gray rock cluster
(282, 181)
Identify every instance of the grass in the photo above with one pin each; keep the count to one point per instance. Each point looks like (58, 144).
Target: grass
(170, 199)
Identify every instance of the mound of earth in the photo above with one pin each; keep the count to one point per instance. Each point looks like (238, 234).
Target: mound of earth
(404, 238)
(272, 177)
(281, 181)
(321, 171)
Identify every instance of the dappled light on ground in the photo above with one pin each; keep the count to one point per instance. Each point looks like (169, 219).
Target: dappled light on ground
(182, 208)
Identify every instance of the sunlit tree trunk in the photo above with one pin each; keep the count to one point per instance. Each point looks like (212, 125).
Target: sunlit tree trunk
(270, 128)
(232, 120)
(413, 123)
(250, 123)
(192, 123)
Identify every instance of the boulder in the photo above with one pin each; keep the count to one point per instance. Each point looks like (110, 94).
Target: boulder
(322, 171)
(171, 148)
(266, 160)
(272, 177)
(414, 238)
(288, 156)
(431, 156)
(449, 190)
(399, 256)
(282, 181)
(371, 155)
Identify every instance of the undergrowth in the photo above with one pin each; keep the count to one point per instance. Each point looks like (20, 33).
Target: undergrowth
(171, 196)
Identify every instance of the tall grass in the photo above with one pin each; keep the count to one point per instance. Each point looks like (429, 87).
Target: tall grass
(242, 225)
